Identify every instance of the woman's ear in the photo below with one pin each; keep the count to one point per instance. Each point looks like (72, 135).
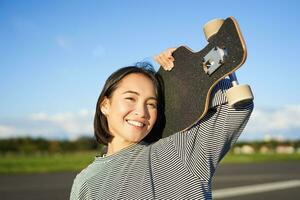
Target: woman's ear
(104, 106)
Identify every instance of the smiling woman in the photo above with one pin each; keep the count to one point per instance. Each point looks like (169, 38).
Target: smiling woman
(129, 117)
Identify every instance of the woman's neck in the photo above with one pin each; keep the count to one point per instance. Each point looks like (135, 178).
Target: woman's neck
(115, 146)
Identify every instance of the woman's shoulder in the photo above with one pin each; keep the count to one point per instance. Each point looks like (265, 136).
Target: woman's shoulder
(166, 144)
(87, 173)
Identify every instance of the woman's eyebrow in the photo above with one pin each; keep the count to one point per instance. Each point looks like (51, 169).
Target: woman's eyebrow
(138, 94)
(132, 92)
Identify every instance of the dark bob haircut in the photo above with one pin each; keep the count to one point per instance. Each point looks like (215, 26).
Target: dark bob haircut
(100, 122)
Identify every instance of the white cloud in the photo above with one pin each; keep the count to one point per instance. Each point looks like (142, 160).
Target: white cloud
(278, 123)
(69, 125)
(7, 131)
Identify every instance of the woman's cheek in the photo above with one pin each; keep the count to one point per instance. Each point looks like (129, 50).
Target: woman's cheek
(125, 107)
(154, 116)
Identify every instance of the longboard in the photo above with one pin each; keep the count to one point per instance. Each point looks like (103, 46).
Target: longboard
(188, 86)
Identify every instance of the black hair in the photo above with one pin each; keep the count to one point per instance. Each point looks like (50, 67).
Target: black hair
(100, 122)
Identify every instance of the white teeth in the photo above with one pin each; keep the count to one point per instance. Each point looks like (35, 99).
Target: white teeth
(135, 123)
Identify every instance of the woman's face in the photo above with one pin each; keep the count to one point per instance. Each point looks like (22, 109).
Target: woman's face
(132, 109)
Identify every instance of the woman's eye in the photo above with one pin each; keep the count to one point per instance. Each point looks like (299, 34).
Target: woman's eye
(152, 105)
(129, 98)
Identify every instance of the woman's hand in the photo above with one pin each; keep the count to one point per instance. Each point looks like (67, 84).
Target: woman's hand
(165, 59)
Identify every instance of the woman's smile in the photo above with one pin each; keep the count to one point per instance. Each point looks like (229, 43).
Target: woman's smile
(135, 123)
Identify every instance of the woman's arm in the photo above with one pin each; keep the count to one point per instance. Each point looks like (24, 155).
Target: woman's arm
(203, 146)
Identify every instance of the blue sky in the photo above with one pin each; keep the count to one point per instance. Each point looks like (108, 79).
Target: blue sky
(55, 56)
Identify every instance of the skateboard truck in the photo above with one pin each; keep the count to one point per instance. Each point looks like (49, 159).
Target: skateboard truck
(213, 60)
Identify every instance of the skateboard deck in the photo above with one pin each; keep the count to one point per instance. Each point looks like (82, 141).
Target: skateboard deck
(188, 86)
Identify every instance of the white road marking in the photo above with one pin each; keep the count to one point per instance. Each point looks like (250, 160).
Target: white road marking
(251, 189)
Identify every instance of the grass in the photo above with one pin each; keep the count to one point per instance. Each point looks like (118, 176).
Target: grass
(15, 163)
(259, 158)
(12, 163)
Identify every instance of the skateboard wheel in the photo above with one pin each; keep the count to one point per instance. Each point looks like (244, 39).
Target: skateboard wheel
(212, 27)
(239, 95)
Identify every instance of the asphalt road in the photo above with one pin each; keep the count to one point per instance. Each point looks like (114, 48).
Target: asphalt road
(283, 183)
(273, 174)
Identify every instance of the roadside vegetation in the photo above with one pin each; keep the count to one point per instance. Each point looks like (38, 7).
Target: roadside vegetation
(39, 156)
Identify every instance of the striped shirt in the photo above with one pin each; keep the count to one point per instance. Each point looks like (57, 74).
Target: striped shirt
(180, 166)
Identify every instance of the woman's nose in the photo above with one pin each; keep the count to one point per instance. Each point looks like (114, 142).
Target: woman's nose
(142, 111)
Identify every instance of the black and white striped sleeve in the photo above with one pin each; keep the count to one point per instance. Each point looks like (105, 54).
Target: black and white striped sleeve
(203, 146)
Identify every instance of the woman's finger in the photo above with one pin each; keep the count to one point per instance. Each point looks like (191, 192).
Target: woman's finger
(165, 59)
(161, 61)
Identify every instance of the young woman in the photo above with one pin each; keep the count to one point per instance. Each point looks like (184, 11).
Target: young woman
(177, 167)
